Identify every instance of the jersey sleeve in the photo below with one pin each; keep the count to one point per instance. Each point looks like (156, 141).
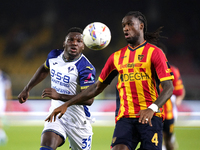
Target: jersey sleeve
(87, 73)
(177, 82)
(109, 71)
(161, 65)
(54, 53)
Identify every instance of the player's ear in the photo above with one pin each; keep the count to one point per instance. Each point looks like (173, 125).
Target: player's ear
(141, 26)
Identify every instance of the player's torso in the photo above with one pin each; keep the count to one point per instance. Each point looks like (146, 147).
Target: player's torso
(65, 80)
(64, 76)
(136, 80)
(136, 73)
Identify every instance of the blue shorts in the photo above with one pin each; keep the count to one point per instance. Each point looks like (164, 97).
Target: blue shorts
(130, 132)
(168, 126)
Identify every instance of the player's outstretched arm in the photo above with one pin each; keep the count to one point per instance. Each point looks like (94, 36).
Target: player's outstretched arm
(92, 91)
(51, 93)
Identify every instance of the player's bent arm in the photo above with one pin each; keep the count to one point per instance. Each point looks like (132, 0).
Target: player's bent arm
(39, 75)
(147, 114)
(65, 98)
(165, 94)
(51, 93)
(92, 91)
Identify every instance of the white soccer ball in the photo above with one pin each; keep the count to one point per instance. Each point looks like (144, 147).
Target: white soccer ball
(96, 36)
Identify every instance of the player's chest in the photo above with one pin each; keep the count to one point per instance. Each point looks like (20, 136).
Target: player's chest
(63, 71)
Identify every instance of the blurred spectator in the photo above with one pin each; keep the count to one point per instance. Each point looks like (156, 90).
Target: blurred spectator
(5, 94)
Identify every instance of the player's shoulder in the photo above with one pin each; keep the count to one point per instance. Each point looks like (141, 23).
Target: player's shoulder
(55, 53)
(153, 46)
(84, 63)
(119, 51)
(156, 50)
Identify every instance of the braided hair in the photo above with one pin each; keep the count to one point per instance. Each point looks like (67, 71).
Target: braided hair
(151, 37)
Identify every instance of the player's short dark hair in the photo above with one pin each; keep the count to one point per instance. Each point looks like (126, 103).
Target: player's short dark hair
(151, 37)
(75, 29)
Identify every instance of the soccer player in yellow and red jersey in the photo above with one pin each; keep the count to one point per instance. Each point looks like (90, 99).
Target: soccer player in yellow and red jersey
(170, 107)
(140, 67)
(170, 110)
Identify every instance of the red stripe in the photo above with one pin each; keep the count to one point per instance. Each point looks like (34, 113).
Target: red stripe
(145, 52)
(147, 94)
(121, 57)
(131, 56)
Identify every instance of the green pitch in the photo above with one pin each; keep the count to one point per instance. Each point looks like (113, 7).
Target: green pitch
(28, 137)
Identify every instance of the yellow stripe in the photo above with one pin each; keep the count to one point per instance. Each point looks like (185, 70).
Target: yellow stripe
(46, 65)
(84, 87)
(121, 92)
(127, 85)
(152, 90)
(101, 80)
(179, 87)
(167, 78)
(138, 83)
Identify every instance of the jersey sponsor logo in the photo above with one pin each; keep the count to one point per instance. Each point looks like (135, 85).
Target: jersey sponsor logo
(134, 76)
(89, 67)
(130, 65)
(123, 57)
(60, 83)
(89, 79)
(63, 91)
(55, 63)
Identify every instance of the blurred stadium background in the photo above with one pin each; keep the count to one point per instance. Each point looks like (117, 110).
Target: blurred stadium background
(29, 30)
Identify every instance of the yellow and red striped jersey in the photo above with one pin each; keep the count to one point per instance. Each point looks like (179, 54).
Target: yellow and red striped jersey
(139, 71)
(178, 90)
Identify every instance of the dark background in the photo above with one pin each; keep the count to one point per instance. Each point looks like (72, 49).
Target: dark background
(30, 29)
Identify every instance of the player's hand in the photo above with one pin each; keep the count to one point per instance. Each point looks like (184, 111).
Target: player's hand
(145, 116)
(51, 93)
(62, 109)
(23, 96)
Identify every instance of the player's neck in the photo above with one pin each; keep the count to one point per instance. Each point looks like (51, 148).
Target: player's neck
(70, 59)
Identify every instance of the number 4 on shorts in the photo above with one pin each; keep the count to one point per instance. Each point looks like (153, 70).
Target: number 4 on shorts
(155, 139)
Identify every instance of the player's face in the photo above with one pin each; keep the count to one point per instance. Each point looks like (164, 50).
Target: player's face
(73, 45)
(132, 29)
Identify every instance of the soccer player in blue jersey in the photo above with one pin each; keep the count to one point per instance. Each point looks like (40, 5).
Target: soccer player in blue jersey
(71, 72)
(5, 94)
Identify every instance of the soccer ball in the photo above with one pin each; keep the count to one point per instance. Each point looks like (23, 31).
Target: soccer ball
(96, 36)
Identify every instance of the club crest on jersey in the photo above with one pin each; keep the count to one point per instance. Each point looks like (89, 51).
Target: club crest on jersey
(140, 57)
(71, 68)
(114, 139)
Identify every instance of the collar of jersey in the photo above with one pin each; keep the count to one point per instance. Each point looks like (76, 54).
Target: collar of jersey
(65, 60)
(141, 45)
